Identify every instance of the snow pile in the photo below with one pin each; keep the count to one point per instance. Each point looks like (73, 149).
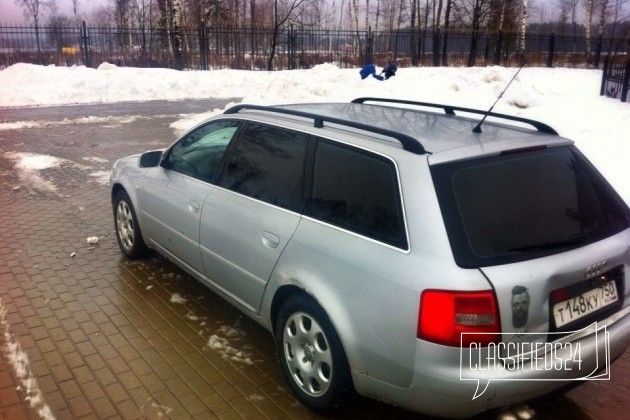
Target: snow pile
(28, 166)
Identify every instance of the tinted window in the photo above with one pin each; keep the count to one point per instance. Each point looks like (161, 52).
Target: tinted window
(199, 153)
(268, 164)
(516, 207)
(357, 191)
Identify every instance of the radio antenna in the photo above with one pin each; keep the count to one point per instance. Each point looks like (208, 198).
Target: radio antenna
(477, 128)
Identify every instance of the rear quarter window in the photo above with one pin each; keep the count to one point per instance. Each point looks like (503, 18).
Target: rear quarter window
(357, 191)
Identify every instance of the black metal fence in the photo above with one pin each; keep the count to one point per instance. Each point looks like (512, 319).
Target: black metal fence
(616, 78)
(244, 48)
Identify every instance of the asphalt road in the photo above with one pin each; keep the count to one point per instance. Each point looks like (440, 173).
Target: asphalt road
(147, 109)
(106, 337)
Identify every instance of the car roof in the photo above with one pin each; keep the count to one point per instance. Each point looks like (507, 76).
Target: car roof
(442, 133)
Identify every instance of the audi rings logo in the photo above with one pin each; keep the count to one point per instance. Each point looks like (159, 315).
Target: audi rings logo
(595, 269)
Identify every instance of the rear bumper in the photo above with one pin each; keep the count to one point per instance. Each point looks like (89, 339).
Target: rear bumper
(445, 381)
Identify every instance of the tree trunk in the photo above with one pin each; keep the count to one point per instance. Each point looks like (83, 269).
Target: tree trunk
(447, 24)
(178, 35)
(524, 16)
(589, 25)
(474, 37)
(274, 37)
(413, 41)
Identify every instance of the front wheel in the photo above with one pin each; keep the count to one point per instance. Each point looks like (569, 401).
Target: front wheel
(127, 229)
(311, 356)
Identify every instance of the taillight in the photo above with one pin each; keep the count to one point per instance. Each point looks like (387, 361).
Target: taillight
(445, 314)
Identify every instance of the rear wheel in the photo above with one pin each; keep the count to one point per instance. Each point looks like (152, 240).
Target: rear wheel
(127, 229)
(311, 356)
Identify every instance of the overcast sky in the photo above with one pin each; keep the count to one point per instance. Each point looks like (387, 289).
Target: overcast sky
(11, 12)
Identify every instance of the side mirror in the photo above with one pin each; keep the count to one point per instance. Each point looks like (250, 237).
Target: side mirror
(150, 159)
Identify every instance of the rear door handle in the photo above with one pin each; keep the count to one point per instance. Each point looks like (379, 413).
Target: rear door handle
(270, 240)
(194, 206)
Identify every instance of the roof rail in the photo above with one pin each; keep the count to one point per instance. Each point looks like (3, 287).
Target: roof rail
(450, 110)
(411, 144)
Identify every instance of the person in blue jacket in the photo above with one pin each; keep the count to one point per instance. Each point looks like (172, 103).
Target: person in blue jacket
(388, 71)
(390, 68)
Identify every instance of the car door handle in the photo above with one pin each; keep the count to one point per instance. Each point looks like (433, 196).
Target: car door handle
(194, 206)
(270, 240)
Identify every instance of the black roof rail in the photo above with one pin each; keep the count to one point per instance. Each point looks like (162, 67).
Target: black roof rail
(409, 143)
(450, 110)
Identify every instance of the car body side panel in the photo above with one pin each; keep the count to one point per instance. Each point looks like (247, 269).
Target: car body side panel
(241, 240)
(437, 390)
(369, 302)
(370, 291)
(170, 205)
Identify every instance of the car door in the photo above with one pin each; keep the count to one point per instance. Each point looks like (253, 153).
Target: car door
(174, 192)
(248, 220)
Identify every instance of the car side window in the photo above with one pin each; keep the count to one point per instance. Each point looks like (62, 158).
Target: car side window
(268, 165)
(199, 154)
(358, 191)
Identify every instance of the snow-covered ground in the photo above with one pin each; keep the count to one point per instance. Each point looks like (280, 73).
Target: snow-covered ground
(566, 99)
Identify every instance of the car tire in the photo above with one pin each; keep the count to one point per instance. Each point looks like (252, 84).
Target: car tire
(310, 353)
(128, 232)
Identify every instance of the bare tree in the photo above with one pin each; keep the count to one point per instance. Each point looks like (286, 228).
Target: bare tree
(437, 28)
(122, 11)
(354, 14)
(171, 23)
(53, 8)
(600, 29)
(569, 8)
(473, 14)
(589, 25)
(283, 11)
(447, 23)
(102, 16)
(31, 10)
(523, 19)
(617, 10)
(413, 43)
(75, 9)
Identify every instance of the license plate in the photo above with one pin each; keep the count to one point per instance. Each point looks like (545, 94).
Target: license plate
(588, 302)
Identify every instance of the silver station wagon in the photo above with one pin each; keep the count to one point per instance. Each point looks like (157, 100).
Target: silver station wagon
(443, 259)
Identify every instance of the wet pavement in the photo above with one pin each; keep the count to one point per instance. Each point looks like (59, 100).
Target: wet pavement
(86, 333)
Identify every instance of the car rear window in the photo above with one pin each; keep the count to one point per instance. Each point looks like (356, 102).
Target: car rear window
(525, 205)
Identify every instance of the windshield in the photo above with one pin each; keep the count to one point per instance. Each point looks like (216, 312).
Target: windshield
(520, 206)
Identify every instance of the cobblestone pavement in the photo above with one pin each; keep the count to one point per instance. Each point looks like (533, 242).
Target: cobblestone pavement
(86, 333)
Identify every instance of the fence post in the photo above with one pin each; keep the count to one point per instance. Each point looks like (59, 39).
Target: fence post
(552, 46)
(626, 82)
(85, 46)
(369, 45)
(498, 50)
(436, 48)
(291, 47)
(203, 46)
(604, 76)
(598, 52)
